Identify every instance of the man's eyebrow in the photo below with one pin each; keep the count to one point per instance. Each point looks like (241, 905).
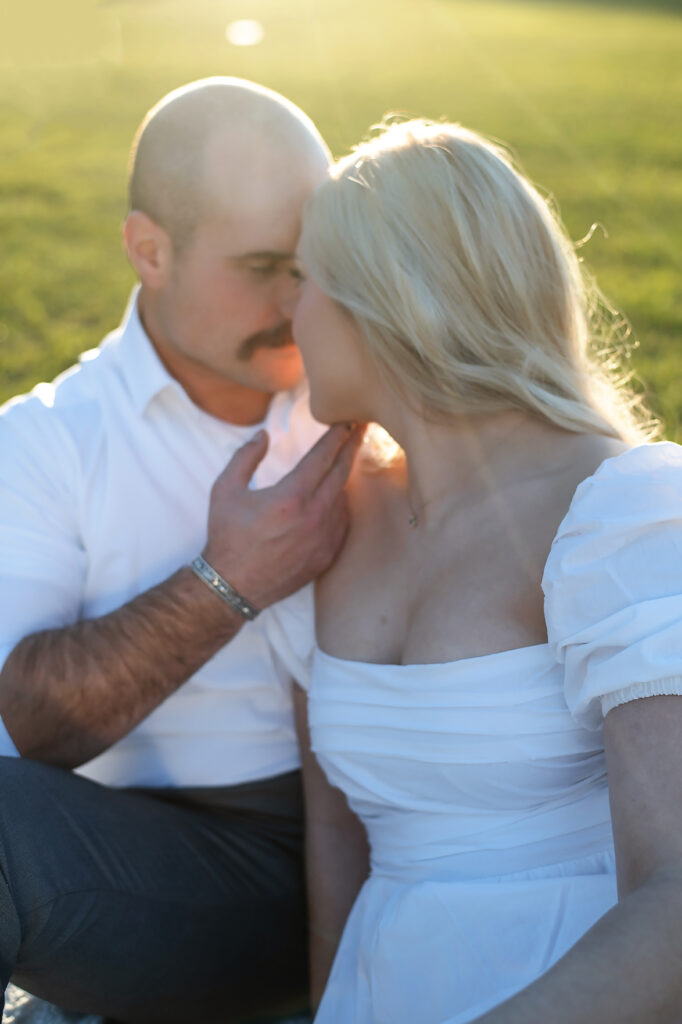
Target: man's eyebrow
(265, 254)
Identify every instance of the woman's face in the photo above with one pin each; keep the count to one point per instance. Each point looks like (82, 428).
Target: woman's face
(335, 358)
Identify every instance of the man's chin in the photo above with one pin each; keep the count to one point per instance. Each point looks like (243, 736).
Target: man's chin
(281, 368)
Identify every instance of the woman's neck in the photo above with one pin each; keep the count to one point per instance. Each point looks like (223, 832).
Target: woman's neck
(468, 455)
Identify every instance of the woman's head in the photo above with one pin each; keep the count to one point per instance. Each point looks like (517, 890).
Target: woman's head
(466, 294)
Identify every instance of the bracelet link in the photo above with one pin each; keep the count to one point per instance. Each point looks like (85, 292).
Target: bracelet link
(223, 589)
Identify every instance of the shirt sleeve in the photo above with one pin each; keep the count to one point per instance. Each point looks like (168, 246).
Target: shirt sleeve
(7, 748)
(613, 584)
(290, 628)
(42, 560)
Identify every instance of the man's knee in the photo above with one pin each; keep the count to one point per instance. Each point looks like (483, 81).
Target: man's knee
(41, 820)
(40, 811)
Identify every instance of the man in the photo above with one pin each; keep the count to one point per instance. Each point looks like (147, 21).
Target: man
(128, 657)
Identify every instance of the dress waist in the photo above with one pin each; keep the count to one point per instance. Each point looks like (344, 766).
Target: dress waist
(542, 860)
(419, 845)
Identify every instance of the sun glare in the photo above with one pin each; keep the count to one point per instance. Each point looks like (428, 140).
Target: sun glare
(245, 33)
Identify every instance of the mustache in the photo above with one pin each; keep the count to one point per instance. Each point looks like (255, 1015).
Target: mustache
(275, 337)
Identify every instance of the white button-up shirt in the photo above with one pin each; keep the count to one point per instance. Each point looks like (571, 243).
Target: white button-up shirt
(105, 477)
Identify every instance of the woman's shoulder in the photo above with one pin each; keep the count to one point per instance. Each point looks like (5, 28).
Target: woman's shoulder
(623, 505)
(627, 486)
(622, 533)
(612, 582)
(359, 576)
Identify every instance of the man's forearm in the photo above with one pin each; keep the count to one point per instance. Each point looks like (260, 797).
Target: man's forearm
(68, 694)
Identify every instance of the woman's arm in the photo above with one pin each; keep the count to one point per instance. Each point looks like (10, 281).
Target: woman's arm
(628, 968)
(337, 860)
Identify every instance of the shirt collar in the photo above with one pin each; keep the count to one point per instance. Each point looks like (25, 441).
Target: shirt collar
(144, 373)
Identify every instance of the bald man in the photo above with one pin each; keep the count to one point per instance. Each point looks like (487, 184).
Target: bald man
(150, 831)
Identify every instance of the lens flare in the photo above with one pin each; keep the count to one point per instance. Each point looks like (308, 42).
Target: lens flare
(245, 33)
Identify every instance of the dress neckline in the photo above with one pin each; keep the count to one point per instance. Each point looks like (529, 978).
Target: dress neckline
(527, 650)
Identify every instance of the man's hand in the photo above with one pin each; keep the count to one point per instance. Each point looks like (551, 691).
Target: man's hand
(268, 543)
(67, 694)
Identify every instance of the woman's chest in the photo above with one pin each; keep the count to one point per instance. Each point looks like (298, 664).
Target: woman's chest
(462, 595)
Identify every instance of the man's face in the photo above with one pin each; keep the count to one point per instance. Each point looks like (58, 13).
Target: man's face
(227, 304)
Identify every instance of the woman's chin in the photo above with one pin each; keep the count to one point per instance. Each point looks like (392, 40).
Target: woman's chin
(322, 412)
(336, 408)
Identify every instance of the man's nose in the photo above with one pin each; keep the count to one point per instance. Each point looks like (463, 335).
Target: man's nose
(287, 288)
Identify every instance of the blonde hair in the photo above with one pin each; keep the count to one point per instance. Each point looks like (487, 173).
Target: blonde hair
(465, 286)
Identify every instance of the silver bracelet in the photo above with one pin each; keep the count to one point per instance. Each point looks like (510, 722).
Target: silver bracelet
(223, 589)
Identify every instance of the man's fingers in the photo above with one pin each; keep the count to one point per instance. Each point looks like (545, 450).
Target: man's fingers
(244, 462)
(339, 471)
(314, 466)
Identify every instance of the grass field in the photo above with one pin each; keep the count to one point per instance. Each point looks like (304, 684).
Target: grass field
(589, 95)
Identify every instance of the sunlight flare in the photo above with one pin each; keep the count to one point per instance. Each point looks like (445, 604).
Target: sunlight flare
(245, 32)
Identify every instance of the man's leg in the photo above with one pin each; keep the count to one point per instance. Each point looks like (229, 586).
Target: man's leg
(146, 908)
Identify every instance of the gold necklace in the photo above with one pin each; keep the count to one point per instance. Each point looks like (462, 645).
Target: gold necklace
(413, 517)
(452, 493)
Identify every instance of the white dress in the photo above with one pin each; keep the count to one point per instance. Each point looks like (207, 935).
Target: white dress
(482, 783)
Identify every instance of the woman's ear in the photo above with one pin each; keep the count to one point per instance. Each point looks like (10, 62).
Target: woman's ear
(149, 249)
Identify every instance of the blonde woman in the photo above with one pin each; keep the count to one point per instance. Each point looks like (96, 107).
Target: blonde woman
(504, 624)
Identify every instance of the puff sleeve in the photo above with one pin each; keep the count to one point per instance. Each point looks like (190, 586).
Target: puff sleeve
(613, 584)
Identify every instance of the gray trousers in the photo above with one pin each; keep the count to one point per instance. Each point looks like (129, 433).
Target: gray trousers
(148, 906)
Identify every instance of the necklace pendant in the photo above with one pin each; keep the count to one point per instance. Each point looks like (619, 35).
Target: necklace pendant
(412, 520)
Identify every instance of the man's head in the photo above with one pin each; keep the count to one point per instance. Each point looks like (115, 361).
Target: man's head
(219, 173)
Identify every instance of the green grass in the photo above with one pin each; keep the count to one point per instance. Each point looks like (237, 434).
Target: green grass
(589, 95)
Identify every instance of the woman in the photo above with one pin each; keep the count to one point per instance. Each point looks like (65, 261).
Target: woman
(458, 709)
